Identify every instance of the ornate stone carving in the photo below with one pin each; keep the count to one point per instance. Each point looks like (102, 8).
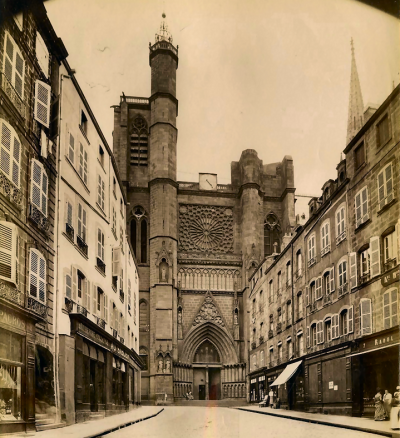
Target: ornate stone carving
(11, 294)
(10, 191)
(39, 218)
(12, 95)
(208, 278)
(208, 312)
(205, 228)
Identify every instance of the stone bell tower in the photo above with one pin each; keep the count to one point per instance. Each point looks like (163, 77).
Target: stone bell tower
(163, 59)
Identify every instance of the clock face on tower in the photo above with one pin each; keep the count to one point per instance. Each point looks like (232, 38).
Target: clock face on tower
(208, 181)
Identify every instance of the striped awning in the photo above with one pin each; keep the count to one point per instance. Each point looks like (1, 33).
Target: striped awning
(287, 373)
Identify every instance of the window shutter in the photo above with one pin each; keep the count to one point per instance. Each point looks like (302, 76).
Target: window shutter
(44, 192)
(308, 336)
(102, 194)
(42, 279)
(386, 310)
(19, 74)
(94, 292)
(81, 152)
(99, 190)
(16, 161)
(71, 148)
(335, 326)
(42, 103)
(85, 167)
(364, 200)
(104, 315)
(353, 269)
(6, 138)
(321, 330)
(366, 316)
(319, 287)
(33, 273)
(332, 280)
(389, 184)
(80, 220)
(74, 283)
(394, 306)
(9, 59)
(111, 314)
(42, 54)
(68, 286)
(36, 185)
(307, 295)
(55, 120)
(116, 268)
(350, 320)
(8, 250)
(375, 256)
(358, 209)
(69, 214)
(88, 295)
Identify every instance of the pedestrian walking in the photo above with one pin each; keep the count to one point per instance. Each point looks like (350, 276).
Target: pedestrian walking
(271, 398)
(387, 403)
(395, 411)
(379, 409)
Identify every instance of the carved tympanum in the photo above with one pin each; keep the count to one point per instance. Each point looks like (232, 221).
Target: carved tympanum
(208, 312)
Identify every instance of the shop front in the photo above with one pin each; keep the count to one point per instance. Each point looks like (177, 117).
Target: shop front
(17, 371)
(104, 372)
(289, 386)
(375, 364)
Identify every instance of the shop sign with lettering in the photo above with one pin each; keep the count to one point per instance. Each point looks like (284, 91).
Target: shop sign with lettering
(379, 341)
(12, 320)
(390, 278)
(96, 337)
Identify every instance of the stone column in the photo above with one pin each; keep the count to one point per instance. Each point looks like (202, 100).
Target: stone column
(207, 389)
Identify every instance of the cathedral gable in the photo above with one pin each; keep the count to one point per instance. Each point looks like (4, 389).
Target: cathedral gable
(208, 312)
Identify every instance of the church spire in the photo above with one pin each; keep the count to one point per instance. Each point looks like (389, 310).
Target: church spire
(164, 34)
(356, 106)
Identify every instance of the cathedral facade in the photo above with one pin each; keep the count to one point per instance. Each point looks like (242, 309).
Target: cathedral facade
(196, 243)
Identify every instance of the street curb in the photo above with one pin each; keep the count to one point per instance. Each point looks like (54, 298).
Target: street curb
(122, 426)
(325, 423)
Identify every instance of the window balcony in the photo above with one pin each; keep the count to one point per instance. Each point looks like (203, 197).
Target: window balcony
(325, 250)
(12, 94)
(385, 201)
(270, 334)
(101, 323)
(69, 231)
(101, 265)
(39, 218)
(313, 307)
(115, 333)
(311, 262)
(298, 274)
(365, 277)
(279, 327)
(11, 293)
(327, 299)
(69, 305)
(36, 307)
(389, 265)
(8, 189)
(82, 245)
(341, 237)
(80, 309)
(121, 296)
(343, 289)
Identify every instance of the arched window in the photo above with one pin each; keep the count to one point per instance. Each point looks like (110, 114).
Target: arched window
(138, 230)
(272, 235)
(139, 142)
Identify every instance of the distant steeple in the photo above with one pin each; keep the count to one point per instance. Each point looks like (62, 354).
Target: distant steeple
(164, 34)
(356, 106)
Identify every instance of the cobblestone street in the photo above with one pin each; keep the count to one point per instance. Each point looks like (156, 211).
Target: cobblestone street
(193, 422)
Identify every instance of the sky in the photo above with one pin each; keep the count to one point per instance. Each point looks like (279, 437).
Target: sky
(268, 75)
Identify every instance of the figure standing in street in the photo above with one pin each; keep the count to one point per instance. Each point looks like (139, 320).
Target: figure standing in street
(387, 403)
(395, 411)
(379, 409)
(271, 398)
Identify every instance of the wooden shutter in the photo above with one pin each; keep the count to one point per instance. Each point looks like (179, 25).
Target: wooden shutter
(9, 58)
(83, 225)
(74, 283)
(42, 103)
(16, 161)
(33, 273)
(350, 320)
(381, 189)
(393, 306)
(85, 167)
(358, 209)
(102, 194)
(353, 269)
(99, 190)
(42, 278)
(386, 310)
(44, 192)
(19, 74)
(375, 256)
(308, 336)
(307, 296)
(335, 326)
(366, 316)
(105, 315)
(42, 54)
(71, 148)
(68, 286)
(5, 150)
(94, 303)
(36, 180)
(332, 280)
(100, 244)
(88, 295)
(8, 250)
(80, 220)
(81, 153)
(319, 287)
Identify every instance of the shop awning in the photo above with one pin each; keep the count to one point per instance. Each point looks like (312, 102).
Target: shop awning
(287, 373)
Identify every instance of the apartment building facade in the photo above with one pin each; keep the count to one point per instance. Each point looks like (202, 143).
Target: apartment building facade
(346, 342)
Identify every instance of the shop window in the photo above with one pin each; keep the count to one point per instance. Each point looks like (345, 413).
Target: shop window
(390, 306)
(359, 156)
(10, 153)
(383, 132)
(10, 376)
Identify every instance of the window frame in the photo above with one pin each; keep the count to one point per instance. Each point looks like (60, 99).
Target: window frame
(44, 182)
(14, 72)
(380, 143)
(40, 274)
(385, 196)
(393, 304)
(364, 211)
(311, 249)
(341, 223)
(325, 237)
(14, 154)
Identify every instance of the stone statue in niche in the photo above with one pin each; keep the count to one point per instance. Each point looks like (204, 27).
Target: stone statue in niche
(168, 366)
(236, 318)
(179, 316)
(164, 271)
(160, 366)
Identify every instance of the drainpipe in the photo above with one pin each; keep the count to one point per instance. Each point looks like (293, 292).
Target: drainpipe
(56, 295)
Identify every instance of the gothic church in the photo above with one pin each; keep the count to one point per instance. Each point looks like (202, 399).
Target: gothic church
(196, 243)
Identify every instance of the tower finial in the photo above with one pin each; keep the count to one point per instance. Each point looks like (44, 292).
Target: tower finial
(356, 107)
(164, 34)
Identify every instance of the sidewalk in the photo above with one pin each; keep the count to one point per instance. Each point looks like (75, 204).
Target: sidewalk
(355, 423)
(98, 428)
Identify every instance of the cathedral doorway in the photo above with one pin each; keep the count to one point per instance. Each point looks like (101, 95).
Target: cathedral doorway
(207, 372)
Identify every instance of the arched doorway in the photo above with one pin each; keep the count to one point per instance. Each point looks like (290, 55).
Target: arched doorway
(207, 372)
